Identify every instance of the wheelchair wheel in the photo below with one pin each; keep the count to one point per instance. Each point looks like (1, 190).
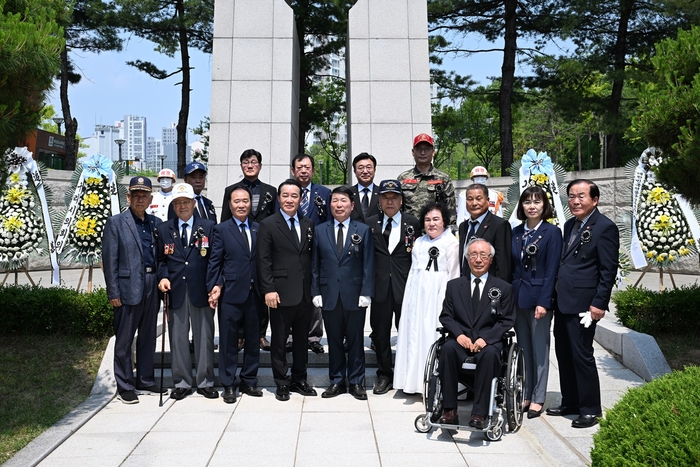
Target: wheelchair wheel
(495, 434)
(421, 423)
(432, 391)
(515, 387)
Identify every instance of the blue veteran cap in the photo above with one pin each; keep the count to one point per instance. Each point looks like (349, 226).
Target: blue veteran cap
(390, 186)
(140, 183)
(194, 166)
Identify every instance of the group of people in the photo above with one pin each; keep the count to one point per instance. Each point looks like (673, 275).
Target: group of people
(302, 258)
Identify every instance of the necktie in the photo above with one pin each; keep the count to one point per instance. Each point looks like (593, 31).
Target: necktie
(305, 202)
(201, 208)
(245, 237)
(476, 296)
(387, 231)
(472, 230)
(574, 232)
(365, 201)
(294, 231)
(341, 241)
(183, 235)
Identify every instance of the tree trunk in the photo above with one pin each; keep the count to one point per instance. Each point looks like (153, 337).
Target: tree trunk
(185, 94)
(506, 92)
(71, 124)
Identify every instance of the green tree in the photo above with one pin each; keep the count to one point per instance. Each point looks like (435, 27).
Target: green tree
(202, 130)
(30, 43)
(331, 143)
(668, 115)
(174, 26)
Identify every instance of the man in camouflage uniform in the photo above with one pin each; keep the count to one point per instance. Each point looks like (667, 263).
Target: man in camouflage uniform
(423, 183)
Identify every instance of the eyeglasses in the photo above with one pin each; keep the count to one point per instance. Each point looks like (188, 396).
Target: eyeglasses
(249, 163)
(483, 256)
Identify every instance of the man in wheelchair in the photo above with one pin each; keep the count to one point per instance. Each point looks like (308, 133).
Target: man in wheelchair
(477, 311)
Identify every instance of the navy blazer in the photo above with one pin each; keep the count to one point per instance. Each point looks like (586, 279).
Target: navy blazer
(588, 268)
(122, 257)
(497, 232)
(208, 205)
(185, 268)
(325, 195)
(231, 264)
(266, 205)
(536, 288)
(346, 277)
(457, 315)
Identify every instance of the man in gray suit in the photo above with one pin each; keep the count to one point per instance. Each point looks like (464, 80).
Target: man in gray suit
(129, 265)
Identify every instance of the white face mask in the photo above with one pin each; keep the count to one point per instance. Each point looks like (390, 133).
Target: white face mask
(165, 183)
(480, 180)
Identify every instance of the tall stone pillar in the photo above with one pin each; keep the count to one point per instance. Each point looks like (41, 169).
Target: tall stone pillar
(389, 81)
(255, 90)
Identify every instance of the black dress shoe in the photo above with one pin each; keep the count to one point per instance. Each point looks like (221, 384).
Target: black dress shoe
(316, 347)
(151, 390)
(264, 344)
(180, 393)
(128, 397)
(532, 413)
(477, 421)
(251, 391)
(560, 411)
(302, 388)
(334, 390)
(449, 417)
(383, 386)
(230, 394)
(358, 392)
(282, 393)
(209, 393)
(585, 421)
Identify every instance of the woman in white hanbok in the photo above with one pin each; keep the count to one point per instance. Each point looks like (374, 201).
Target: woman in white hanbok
(434, 261)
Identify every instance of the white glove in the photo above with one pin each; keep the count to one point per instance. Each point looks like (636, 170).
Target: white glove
(364, 301)
(317, 301)
(586, 319)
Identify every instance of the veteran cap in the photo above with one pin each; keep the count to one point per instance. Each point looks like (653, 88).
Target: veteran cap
(183, 190)
(140, 183)
(390, 186)
(194, 166)
(423, 138)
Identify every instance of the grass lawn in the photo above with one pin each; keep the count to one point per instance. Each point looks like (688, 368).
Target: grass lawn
(680, 351)
(42, 378)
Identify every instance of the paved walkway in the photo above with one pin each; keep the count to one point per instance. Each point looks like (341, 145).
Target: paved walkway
(312, 431)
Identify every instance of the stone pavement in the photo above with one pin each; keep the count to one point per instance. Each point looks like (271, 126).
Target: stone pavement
(310, 431)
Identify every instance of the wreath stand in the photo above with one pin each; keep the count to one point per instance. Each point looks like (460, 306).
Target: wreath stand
(89, 281)
(661, 277)
(16, 271)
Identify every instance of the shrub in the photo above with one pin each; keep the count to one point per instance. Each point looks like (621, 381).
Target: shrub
(673, 311)
(656, 424)
(55, 310)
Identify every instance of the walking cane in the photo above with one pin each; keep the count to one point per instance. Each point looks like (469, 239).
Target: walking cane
(162, 346)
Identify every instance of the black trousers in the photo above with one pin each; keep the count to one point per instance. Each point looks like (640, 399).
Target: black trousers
(350, 324)
(380, 318)
(578, 374)
(282, 319)
(488, 366)
(128, 319)
(232, 319)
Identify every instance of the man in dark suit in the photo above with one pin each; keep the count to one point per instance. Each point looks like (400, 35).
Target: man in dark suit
(467, 313)
(129, 265)
(586, 277)
(394, 233)
(342, 285)
(196, 175)
(262, 206)
(365, 194)
(493, 229)
(284, 267)
(315, 202)
(232, 281)
(183, 248)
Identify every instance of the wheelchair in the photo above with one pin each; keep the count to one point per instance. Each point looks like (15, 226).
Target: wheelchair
(507, 390)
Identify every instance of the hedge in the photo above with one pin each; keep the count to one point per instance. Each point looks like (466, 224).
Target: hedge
(657, 424)
(39, 310)
(674, 310)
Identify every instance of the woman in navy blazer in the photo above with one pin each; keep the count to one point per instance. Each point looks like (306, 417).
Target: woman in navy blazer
(536, 251)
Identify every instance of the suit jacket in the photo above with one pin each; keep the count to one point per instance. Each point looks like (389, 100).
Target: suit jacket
(349, 276)
(208, 205)
(266, 205)
(373, 210)
(122, 257)
(185, 268)
(392, 266)
(325, 195)
(231, 264)
(283, 266)
(497, 232)
(588, 268)
(536, 288)
(458, 317)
